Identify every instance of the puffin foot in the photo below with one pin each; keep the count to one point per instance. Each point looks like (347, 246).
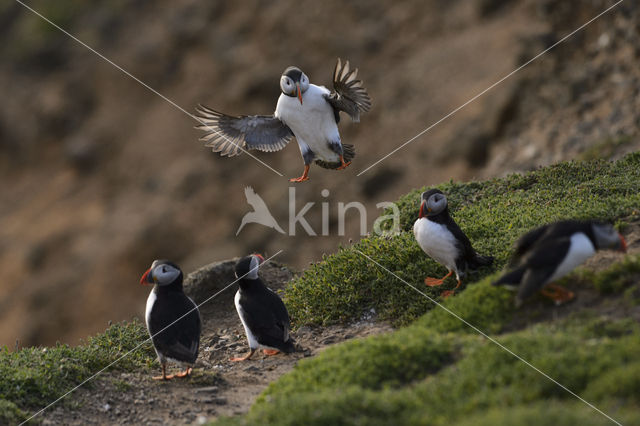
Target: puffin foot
(343, 164)
(558, 294)
(165, 377)
(164, 374)
(244, 358)
(185, 373)
(305, 175)
(270, 352)
(447, 293)
(434, 282)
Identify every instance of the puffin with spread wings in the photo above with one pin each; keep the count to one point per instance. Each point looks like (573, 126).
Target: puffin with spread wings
(310, 113)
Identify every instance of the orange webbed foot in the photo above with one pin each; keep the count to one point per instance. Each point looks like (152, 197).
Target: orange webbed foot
(299, 179)
(448, 293)
(243, 358)
(433, 282)
(270, 352)
(185, 373)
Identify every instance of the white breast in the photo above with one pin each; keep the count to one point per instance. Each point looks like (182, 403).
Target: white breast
(580, 250)
(313, 123)
(436, 240)
(147, 313)
(253, 342)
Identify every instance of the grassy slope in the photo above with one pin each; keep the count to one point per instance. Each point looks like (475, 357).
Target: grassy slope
(493, 213)
(437, 371)
(34, 377)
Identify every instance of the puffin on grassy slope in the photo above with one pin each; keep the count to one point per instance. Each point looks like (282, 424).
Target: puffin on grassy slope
(441, 238)
(173, 319)
(310, 113)
(552, 251)
(263, 315)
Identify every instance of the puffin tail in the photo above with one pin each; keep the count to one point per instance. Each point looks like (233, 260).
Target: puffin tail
(348, 153)
(481, 261)
(512, 277)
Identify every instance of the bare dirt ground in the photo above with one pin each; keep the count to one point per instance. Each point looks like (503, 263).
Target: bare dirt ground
(218, 386)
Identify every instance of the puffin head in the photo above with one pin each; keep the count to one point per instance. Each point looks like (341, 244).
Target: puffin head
(606, 237)
(294, 82)
(161, 272)
(247, 267)
(433, 202)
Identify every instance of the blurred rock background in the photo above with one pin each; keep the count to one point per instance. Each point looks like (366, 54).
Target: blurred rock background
(99, 176)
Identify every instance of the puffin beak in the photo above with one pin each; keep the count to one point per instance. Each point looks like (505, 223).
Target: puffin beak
(299, 93)
(623, 244)
(146, 278)
(259, 256)
(421, 210)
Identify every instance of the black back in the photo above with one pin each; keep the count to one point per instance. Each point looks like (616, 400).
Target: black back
(560, 229)
(265, 315)
(181, 340)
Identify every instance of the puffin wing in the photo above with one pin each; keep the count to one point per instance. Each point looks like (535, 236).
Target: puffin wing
(349, 95)
(468, 253)
(180, 340)
(561, 229)
(264, 322)
(229, 135)
(541, 262)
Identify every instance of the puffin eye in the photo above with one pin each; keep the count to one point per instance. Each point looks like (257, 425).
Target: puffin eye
(164, 269)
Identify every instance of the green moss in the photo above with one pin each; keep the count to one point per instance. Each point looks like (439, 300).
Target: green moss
(617, 277)
(376, 362)
(33, 377)
(481, 384)
(494, 213)
(10, 414)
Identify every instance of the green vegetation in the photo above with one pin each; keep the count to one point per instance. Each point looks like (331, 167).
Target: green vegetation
(494, 213)
(33, 377)
(463, 378)
(440, 371)
(428, 375)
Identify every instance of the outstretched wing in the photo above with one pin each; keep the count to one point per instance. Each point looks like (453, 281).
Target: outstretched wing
(348, 95)
(229, 135)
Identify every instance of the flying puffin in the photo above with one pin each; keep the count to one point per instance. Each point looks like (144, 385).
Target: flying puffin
(173, 319)
(263, 315)
(552, 251)
(310, 113)
(441, 238)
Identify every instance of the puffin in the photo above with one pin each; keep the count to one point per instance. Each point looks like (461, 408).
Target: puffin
(440, 237)
(309, 112)
(551, 251)
(172, 318)
(263, 315)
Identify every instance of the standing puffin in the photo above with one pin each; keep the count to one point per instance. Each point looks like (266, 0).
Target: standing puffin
(263, 315)
(173, 319)
(441, 238)
(552, 251)
(310, 113)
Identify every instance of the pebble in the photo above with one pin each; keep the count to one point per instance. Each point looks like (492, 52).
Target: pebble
(208, 389)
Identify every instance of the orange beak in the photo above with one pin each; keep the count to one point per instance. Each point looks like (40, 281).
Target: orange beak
(145, 278)
(623, 243)
(421, 210)
(299, 93)
(259, 256)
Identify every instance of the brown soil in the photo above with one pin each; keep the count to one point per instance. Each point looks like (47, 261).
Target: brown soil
(218, 386)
